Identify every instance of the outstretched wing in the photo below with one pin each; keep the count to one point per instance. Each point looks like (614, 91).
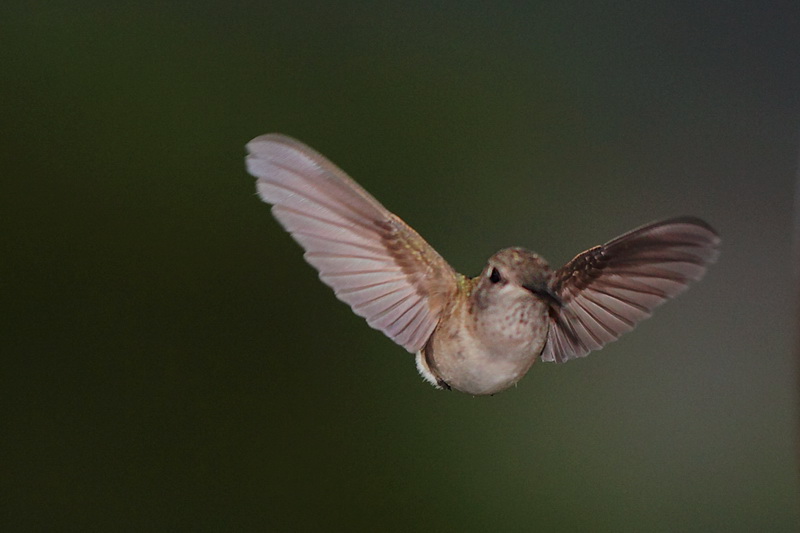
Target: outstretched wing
(373, 260)
(607, 290)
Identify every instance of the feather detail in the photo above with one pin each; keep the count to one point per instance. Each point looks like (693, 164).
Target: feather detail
(606, 290)
(373, 260)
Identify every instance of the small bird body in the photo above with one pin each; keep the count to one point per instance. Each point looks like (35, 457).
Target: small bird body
(492, 333)
(478, 335)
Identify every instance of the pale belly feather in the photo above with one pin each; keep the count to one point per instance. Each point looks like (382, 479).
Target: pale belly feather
(484, 357)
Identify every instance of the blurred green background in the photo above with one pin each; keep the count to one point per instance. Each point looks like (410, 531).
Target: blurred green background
(170, 362)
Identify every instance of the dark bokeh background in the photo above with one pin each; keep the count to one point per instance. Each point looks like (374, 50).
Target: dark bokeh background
(170, 362)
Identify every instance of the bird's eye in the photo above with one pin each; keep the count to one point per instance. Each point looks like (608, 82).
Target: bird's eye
(494, 275)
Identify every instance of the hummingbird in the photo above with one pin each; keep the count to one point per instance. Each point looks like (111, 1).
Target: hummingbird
(478, 335)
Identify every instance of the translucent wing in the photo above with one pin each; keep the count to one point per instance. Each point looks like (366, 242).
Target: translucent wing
(373, 260)
(607, 290)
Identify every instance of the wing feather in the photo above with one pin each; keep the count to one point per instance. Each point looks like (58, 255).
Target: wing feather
(373, 261)
(607, 290)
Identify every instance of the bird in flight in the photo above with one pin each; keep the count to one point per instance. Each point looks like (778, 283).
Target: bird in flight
(478, 335)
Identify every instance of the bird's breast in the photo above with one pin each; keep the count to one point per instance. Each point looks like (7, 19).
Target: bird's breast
(480, 353)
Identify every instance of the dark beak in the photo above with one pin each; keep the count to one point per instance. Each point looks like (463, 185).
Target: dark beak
(545, 293)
